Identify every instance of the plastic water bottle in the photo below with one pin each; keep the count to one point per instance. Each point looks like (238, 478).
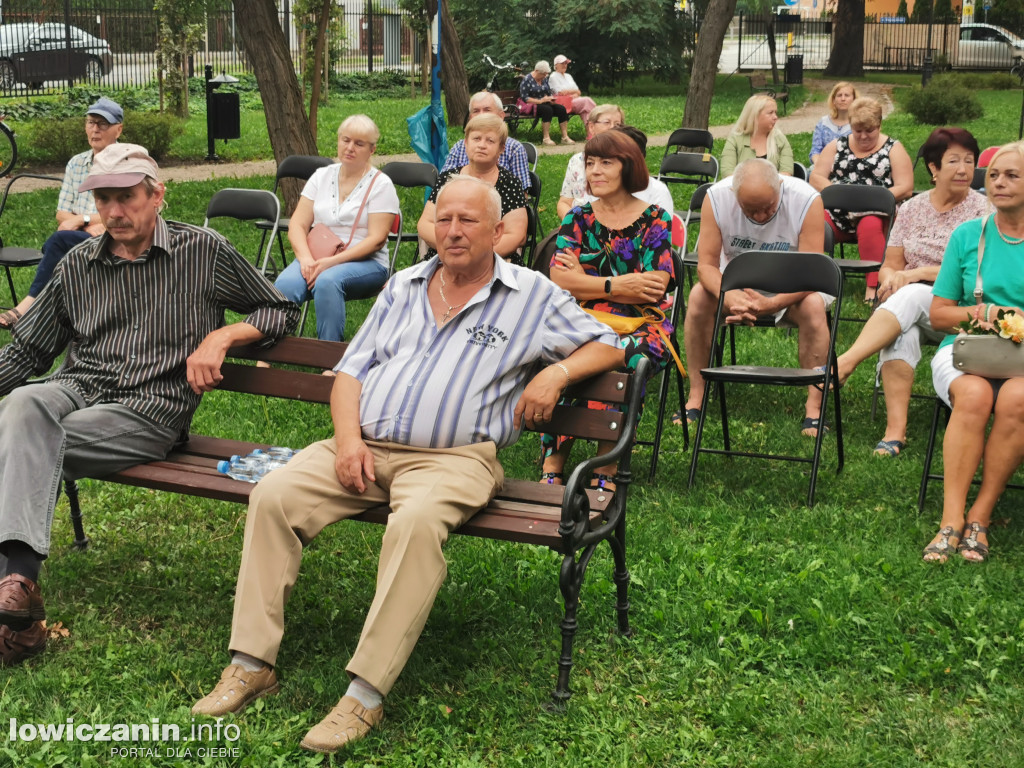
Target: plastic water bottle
(251, 468)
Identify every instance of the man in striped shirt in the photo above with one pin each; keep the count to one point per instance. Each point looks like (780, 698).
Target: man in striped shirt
(443, 373)
(140, 311)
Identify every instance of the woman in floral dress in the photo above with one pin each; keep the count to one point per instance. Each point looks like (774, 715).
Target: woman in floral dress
(613, 255)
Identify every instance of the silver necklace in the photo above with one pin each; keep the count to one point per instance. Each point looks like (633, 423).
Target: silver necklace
(1008, 240)
(451, 308)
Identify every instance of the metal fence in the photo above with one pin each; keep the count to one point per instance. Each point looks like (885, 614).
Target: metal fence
(115, 43)
(889, 45)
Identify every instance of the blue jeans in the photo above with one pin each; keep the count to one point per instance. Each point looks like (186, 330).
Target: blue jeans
(333, 287)
(55, 248)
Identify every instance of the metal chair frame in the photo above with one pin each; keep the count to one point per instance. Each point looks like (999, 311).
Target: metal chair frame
(300, 167)
(776, 272)
(247, 205)
(15, 257)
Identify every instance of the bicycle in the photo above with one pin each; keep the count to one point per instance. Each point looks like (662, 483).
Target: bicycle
(8, 148)
(508, 102)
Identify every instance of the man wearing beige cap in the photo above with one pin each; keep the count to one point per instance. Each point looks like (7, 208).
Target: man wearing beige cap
(77, 219)
(140, 311)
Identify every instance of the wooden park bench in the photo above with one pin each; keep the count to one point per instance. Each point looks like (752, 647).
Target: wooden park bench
(572, 521)
(759, 83)
(513, 115)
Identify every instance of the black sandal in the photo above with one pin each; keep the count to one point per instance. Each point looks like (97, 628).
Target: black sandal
(970, 543)
(599, 482)
(943, 548)
(550, 477)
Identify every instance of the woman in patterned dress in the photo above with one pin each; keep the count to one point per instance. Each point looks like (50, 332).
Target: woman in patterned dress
(869, 157)
(614, 256)
(916, 245)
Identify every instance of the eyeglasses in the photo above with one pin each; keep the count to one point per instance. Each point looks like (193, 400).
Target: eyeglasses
(612, 123)
(101, 124)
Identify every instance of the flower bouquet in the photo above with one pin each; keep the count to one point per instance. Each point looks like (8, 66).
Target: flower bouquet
(994, 352)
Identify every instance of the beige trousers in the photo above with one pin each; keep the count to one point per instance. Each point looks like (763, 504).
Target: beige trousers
(431, 492)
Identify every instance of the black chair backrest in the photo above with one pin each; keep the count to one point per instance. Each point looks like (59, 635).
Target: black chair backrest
(978, 182)
(830, 241)
(800, 171)
(300, 167)
(533, 192)
(783, 272)
(531, 154)
(540, 261)
(920, 154)
(697, 199)
(690, 139)
(245, 204)
(688, 168)
(406, 174)
(860, 198)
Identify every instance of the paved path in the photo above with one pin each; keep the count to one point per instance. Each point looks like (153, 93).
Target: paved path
(799, 120)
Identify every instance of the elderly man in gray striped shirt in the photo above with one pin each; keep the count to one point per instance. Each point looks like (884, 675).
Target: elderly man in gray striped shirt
(457, 353)
(140, 311)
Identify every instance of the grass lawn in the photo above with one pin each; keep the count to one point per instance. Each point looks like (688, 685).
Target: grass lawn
(766, 633)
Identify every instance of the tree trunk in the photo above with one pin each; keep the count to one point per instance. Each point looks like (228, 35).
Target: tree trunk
(267, 49)
(453, 71)
(769, 21)
(318, 64)
(847, 57)
(705, 63)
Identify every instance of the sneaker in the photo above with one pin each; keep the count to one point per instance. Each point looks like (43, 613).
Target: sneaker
(236, 688)
(18, 645)
(348, 721)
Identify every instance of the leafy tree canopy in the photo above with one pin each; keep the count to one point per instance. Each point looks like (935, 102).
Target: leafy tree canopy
(605, 38)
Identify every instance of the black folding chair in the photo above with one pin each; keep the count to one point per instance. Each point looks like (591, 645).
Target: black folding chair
(533, 192)
(800, 171)
(860, 198)
(412, 175)
(690, 140)
(13, 256)
(675, 318)
(299, 167)
(775, 272)
(531, 154)
(247, 205)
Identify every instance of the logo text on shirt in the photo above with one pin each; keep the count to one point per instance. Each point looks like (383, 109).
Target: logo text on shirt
(486, 336)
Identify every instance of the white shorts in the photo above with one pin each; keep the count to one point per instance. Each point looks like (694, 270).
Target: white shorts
(943, 373)
(910, 305)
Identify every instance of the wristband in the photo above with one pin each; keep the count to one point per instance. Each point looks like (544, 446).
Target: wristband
(988, 313)
(568, 378)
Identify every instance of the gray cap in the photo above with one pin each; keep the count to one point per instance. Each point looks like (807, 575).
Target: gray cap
(108, 109)
(119, 165)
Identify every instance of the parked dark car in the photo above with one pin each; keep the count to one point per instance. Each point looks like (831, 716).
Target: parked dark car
(35, 53)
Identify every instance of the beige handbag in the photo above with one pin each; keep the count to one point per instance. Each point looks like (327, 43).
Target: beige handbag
(987, 355)
(323, 243)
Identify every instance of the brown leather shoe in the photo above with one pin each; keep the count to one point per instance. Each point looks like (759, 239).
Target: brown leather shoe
(236, 688)
(16, 646)
(348, 721)
(20, 600)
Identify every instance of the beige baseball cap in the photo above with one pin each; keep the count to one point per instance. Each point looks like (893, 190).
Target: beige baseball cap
(560, 58)
(120, 165)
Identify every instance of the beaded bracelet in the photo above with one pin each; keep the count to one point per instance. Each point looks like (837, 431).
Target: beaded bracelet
(568, 378)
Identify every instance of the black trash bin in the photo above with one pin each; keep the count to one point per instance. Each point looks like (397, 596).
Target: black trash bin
(225, 118)
(795, 69)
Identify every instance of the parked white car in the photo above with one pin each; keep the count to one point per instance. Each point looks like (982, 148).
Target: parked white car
(986, 46)
(35, 53)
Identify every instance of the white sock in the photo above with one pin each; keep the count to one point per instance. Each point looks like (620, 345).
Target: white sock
(364, 693)
(247, 662)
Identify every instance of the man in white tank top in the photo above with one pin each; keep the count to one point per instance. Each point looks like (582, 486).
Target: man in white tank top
(756, 209)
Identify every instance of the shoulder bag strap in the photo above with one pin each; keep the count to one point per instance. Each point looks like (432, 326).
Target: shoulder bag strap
(355, 222)
(978, 292)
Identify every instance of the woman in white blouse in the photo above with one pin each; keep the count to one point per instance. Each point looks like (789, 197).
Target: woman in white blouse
(357, 203)
(563, 84)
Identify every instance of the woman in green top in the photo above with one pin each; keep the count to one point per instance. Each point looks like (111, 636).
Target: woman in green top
(755, 135)
(974, 399)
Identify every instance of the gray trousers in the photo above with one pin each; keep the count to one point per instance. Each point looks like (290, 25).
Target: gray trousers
(47, 434)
